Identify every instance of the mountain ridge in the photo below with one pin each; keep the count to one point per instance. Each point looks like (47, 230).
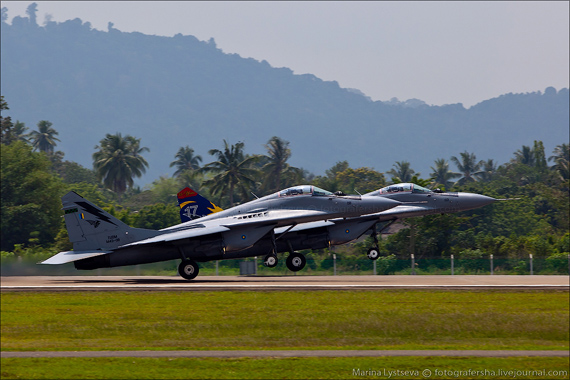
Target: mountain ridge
(177, 91)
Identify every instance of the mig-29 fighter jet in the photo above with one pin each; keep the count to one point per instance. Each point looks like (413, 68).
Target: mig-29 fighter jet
(416, 201)
(102, 241)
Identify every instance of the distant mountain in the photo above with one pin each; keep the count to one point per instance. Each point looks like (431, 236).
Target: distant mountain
(177, 91)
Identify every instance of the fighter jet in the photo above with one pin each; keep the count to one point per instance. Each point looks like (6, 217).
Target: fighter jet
(415, 201)
(102, 241)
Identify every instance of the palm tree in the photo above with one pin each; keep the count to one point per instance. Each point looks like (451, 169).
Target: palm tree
(44, 138)
(186, 161)
(488, 171)
(118, 161)
(525, 156)
(20, 132)
(233, 170)
(442, 175)
(561, 158)
(402, 172)
(468, 166)
(277, 170)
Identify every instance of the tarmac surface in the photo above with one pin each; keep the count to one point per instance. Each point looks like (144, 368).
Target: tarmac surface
(292, 282)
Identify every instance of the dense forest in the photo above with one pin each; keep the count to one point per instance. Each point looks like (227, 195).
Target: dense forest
(35, 175)
(177, 91)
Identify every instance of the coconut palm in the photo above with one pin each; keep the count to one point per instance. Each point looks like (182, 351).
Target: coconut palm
(186, 161)
(277, 171)
(561, 158)
(19, 132)
(232, 169)
(525, 156)
(488, 171)
(468, 166)
(442, 175)
(118, 161)
(402, 172)
(44, 138)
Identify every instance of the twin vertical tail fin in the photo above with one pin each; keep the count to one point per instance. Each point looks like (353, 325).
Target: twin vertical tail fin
(91, 228)
(193, 205)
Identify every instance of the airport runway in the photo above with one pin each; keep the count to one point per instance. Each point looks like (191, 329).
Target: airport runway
(299, 282)
(280, 353)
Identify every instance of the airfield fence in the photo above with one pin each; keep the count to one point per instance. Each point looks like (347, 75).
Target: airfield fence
(349, 265)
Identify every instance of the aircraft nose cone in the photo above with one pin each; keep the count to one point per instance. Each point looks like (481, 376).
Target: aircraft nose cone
(468, 201)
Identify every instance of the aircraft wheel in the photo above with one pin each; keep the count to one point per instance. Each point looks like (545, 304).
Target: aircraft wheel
(296, 261)
(373, 254)
(188, 269)
(270, 261)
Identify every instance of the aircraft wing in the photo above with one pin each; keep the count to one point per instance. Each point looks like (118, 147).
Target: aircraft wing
(403, 211)
(305, 226)
(394, 213)
(252, 224)
(71, 256)
(180, 234)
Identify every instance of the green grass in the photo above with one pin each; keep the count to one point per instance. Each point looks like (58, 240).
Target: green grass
(387, 319)
(283, 368)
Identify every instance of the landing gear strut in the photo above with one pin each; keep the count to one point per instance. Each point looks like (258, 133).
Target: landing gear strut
(271, 259)
(374, 251)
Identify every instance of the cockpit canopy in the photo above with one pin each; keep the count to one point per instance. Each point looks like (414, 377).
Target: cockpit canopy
(304, 190)
(403, 188)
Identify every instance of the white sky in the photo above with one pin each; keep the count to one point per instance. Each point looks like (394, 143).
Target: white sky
(439, 52)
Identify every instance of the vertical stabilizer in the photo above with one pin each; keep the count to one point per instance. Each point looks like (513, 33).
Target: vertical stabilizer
(90, 227)
(193, 205)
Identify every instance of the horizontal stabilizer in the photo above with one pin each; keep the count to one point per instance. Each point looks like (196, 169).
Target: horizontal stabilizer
(71, 256)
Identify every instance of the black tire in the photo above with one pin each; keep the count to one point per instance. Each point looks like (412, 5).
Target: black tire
(270, 261)
(295, 262)
(373, 254)
(188, 269)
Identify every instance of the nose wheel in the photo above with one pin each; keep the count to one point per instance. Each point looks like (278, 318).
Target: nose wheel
(295, 261)
(270, 261)
(373, 253)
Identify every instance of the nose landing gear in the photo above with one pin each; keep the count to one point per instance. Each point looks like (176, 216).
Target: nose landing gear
(374, 251)
(270, 260)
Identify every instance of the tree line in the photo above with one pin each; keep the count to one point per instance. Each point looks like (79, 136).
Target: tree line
(35, 176)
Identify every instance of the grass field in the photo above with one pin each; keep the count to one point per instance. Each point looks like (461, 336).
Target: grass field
(386, 319)
(289, 368)
(390, 319)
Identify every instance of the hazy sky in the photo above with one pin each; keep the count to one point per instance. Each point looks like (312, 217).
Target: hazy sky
(439, 52)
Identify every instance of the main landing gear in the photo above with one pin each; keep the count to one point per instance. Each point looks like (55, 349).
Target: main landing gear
(188, 269)
(295, 261)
